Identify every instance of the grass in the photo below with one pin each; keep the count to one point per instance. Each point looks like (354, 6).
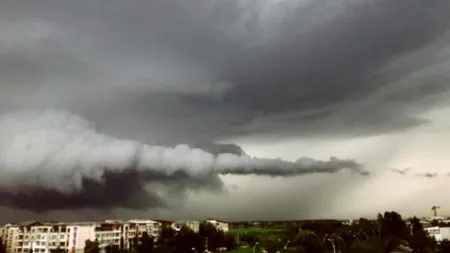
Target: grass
(256, 231)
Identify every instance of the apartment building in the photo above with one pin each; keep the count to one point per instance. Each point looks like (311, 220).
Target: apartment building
(219, 224)
(193, 225)
(71, 237)
(119, 233)
(46, 237)
(35, 236)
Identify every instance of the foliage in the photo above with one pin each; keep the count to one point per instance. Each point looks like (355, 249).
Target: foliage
(57, 250)
(91, 247)
(2, 246)
(371, 245)
(113, 249)
(444, 247)
(419, 241)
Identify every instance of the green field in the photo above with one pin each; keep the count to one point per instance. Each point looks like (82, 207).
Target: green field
(256, 231)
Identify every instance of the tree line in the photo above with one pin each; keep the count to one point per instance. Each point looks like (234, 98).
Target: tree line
(388, 233)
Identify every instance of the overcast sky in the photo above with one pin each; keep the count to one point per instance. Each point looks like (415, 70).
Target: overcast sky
(366, 80)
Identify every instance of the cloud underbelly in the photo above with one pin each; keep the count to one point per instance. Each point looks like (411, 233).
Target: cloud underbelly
(57, 160)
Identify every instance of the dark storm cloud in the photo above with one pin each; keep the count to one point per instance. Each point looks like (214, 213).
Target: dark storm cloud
(123, 188)
(317, 74)
(206, 70)
(117, 189)
(55, 160)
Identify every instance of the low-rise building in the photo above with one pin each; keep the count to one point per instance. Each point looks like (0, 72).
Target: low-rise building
(219, 224)
(193, 225)
(439, 233)
(36, 237)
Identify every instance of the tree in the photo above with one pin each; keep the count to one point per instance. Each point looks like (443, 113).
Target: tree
(420, 242)
(112, 249)
(122, 244)
(393, 229)
(91, 247)
(166, 240)
(208, 232)
(146, 244)
(392, 224)
(371, 245)
(444, 247)
(230, 241)
(57, 250)
(186, 239)
(366, 228)
(2, 246)
(133, 242)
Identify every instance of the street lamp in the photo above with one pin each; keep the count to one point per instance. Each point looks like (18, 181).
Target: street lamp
(326, 238)
(340, 238)
(254, 247)
(193, 249)
(285, 245)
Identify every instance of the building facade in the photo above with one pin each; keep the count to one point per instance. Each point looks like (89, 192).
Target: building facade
(193, 225)
(46, 237)
(439, 233)
(71, 237)
(219, 224)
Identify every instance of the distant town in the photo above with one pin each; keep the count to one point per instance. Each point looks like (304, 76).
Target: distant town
(309, 236)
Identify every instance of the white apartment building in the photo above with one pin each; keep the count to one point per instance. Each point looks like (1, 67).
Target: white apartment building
(220, 225)
(193, 225)
(40, 237)
(78, 234)
(35, 236)
(153, 228)
(439, 233)
(120, 233)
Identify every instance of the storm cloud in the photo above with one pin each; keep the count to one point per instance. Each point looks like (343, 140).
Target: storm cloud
(228, 68)
(181, 79)
(57, 160)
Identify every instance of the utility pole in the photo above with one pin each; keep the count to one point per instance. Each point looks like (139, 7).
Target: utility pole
(434, 209)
